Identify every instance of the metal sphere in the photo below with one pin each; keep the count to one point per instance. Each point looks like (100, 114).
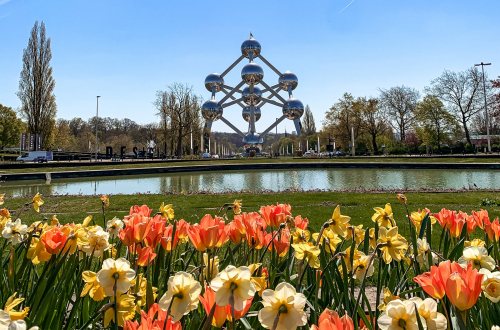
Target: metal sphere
(214, 82)
(251, 138)
(246, 113)
(211, 110)
(252, 74)
(251, 97)
(250, 46)
(288, 79)
(293, 109)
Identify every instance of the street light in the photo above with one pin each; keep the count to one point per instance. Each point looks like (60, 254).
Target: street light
(486, 106)
(96, 121)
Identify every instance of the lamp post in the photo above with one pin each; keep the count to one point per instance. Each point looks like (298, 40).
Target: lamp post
(486, 107)
(96, 122)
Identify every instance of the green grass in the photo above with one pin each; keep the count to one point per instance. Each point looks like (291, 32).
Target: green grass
(316, 206)
(140, 164)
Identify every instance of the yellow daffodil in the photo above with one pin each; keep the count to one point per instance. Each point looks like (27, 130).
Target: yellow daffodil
(14, 231)
(213, 263)
(419, 216)
(384, 216)
(399, 315)
(182, 295)
(167, 211)
(491, 285)
(105, 200)
(114, 226)
(11, 303)
(125, 310)
(97, 242)
(37, 252)
(478, 257)
(260, 282)
(309, 252)
(329, 237)
(427, 309)
(118, 271)
(300, 235)
(233, 284)
(92, 286)
(283, 308)
(373, 241)
(475, 242)
(2, 199)
(141, 292)
(339, 222)
(393, 245)
(54, 221)
(359, 233)
(37, 202)
(237, 206)
(402, 199)
(387, 298)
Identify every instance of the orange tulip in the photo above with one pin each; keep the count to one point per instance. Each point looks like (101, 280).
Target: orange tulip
(167, 241)
(445, 217)
(481, 218)
(275, 214)
(281, 242)
(143, 210)
(255, 228)
(300, 222)
(54, 240)
(493, 230)
(148, 321)
(457, 224)
(434, 281)
(146, 255)
(208, 234)
(235, 230)
(330, 320)
(155, 233)
(222, 313)
(463, 287)
(137, 226)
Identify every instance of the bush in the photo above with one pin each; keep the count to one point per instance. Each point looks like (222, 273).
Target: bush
(398, 150)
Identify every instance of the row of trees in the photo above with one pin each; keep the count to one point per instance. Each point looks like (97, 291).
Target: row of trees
(452, 107)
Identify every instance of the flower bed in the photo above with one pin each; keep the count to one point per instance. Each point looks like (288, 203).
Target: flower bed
(249, 270)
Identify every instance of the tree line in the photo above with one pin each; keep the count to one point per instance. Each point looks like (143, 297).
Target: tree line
(447, 114)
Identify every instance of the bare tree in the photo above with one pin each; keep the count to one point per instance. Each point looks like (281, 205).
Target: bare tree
(400, 103)
(343, 117)
(36, 86)
(179, 110)
(373, 122)
(462, 92)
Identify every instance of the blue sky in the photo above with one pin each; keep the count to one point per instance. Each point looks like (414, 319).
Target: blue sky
(127, 50)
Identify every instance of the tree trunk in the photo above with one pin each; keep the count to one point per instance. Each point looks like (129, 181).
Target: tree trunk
(374, 144)
(466, 131)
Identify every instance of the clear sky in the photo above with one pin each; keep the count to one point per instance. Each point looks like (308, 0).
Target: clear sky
(127, 50)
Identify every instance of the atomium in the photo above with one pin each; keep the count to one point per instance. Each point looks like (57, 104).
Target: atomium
(214, 82)
(211, 110)
(248, 111)
(251, 98)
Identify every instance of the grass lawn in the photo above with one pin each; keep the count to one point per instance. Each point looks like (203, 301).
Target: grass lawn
(316, 206)
(141, 164)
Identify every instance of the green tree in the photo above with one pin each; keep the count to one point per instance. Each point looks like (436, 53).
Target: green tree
(36, 86)
(374, 122)
(308, 125)
(10, 127)
(435, 121)
(342, 117)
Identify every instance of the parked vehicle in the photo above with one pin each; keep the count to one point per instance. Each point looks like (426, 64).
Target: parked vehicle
(32, 156)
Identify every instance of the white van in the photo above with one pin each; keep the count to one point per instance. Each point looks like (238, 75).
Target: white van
(36, 156)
